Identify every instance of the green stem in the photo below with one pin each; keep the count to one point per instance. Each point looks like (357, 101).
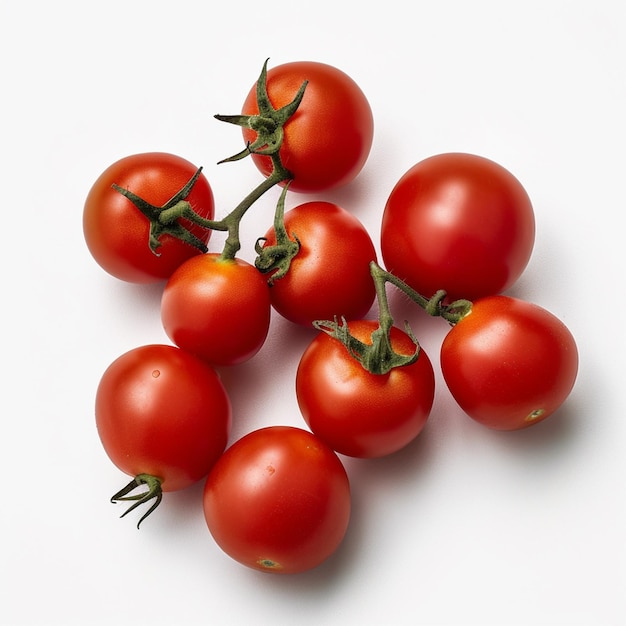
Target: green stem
(379, 357)
(382, 356)
(268, 125)
(232, 221)
(452, 313)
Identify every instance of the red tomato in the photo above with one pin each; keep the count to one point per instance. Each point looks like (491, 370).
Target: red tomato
(509, 363)
(328, 139)
(217, 309)
(117, 233)
(278, 500)
(163, 412)
(355, 412)
(330, 275)
(458, 222)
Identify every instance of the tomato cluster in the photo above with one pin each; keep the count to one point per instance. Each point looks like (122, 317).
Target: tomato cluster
(457, 230)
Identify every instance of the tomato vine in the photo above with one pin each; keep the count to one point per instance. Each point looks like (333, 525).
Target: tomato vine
(269, 126)
(379, 356)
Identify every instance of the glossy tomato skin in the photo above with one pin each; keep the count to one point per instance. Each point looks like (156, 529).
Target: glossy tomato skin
(163, 412)
(358, 413)
(217, 309)
(458, 222)
(278, 500)
(510, 363)
(328, 139)
(330, 275)
(117, 233)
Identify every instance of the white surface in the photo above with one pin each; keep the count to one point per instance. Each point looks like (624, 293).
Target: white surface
(464, 527)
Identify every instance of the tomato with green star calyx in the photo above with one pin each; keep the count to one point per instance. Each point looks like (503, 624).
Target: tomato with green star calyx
(509, 363)
(330, 273)
(136, 218)
(359, 413)
(163, 417)
(328, 139)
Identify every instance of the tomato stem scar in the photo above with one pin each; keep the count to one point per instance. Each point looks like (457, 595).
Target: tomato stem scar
(533, 415)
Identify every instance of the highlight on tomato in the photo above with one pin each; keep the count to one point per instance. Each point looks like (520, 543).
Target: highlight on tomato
(509, 363)
(458, 222)
(164, 418)
(328, 139)
(218, 309)
(329, 273)
(278, 500)
(356, 412)
(136, 217)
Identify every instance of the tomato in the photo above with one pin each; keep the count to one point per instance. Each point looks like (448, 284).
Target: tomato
(330, 275)
(509, 363)
(358, 413)
(217, 309)
(163, 412)
(278, 500)
(327, 141)
(117, 232)
(458, 222)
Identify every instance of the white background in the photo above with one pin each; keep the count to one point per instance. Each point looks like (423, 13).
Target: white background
(465, 526)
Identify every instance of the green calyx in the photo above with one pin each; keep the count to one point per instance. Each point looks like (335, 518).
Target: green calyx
(452, 313)
(378, 357)
(153, 492)
(269, 122)
(164, 219)
(275, 260)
